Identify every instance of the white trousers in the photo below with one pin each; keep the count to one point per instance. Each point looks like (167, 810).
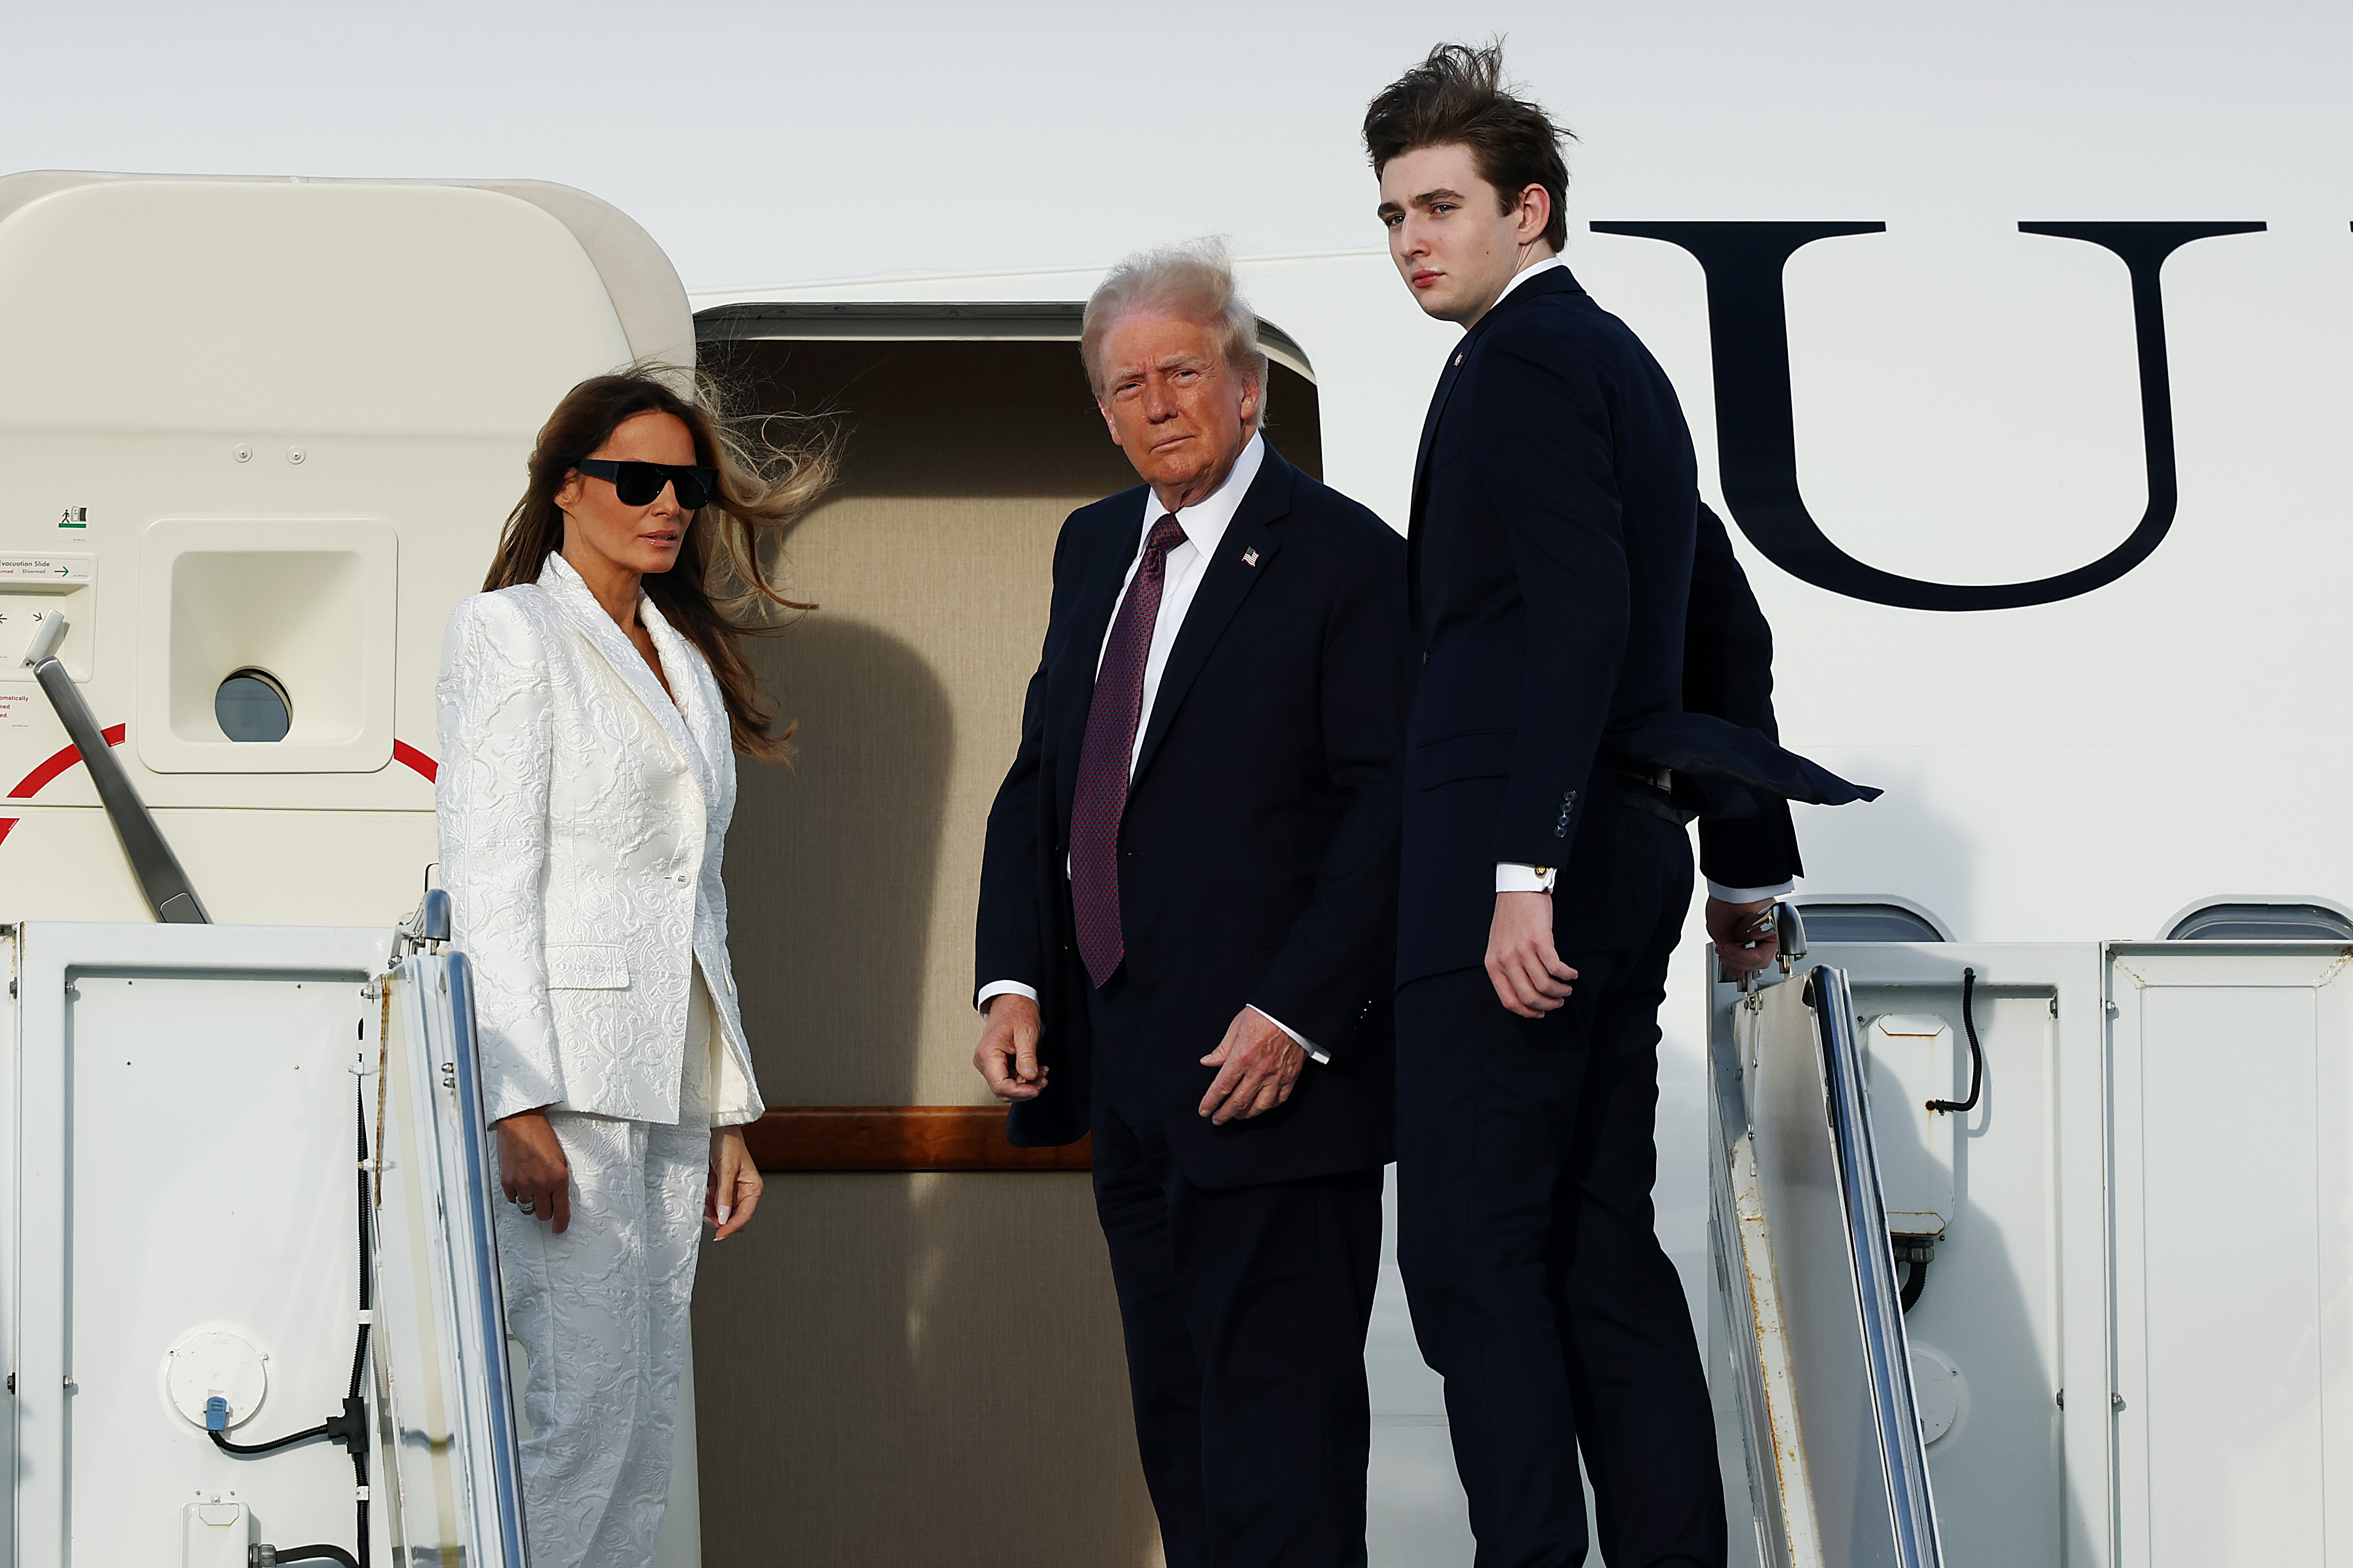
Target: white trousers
(601, 1312)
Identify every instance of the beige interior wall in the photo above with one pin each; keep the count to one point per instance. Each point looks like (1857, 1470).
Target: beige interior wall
(911, 1369)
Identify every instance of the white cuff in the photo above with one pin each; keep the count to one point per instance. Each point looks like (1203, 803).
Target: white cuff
(996, 988)
(1511, 879)
(1302, 1041)
(1717, 889)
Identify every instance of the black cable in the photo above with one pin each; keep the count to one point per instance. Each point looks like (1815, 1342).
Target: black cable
(359, 1352)
(1914, 1252)
(1916, 1280)
(1976, 1052)
(350, 1428)
(225, 1447)
(354, 1412)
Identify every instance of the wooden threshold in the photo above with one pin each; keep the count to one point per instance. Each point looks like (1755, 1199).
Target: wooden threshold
(897, 1138)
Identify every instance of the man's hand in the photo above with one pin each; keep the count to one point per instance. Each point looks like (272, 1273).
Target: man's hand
(1733, 927)
(1530, 979)
(1257, 1065)
(532, 1171)
(1007, 1053)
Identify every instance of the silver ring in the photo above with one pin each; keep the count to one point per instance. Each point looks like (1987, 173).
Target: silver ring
(528, 1205)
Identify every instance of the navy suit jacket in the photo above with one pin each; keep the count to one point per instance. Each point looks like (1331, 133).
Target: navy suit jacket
(1258, 852)
(1570, 601)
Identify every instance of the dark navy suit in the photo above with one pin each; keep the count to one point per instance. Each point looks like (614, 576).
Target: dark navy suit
(1256, 863)
(1571, 599)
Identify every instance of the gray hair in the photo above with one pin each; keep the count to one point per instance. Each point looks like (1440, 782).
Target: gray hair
(1195, 280)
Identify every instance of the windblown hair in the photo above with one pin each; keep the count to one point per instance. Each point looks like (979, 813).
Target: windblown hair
(1195, 280)
(723, 588)
(1457, 97)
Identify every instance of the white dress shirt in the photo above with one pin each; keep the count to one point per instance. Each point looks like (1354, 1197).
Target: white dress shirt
(1516, 879)
(1205, 523)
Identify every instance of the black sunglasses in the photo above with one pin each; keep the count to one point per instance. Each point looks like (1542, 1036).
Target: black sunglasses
(639, 483)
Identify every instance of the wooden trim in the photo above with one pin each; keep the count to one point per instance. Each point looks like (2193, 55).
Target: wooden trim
(897, 1138)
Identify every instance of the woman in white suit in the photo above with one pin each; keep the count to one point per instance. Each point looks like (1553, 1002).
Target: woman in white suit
(592, 699)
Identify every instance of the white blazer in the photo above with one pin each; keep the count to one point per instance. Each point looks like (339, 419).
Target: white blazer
(581, 816)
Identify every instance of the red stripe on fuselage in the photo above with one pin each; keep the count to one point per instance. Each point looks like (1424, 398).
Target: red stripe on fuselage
(32, 782)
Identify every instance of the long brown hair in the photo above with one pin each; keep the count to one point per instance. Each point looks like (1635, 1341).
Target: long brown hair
(720, 590)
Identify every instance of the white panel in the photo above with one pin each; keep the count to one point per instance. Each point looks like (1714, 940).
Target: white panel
(308, 602)
(34, 585)
(356, 867)
(1990, 1301)
(1911, 1059)
(242, 1087)
(2228, 1288)
(186, 1146)
(243, 307)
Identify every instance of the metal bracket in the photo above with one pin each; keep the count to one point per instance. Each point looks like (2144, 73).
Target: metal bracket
(427, 929)
(161, 879)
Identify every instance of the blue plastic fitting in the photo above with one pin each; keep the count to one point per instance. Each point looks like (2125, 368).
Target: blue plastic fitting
(215, 1414)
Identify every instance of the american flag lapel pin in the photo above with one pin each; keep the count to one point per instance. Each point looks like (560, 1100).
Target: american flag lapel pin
(1249, 556)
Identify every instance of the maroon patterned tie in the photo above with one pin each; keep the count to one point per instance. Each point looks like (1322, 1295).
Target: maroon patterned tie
(1102, 793)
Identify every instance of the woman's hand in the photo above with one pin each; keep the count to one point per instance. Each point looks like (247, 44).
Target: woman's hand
(532, 1170)
(735, 1183)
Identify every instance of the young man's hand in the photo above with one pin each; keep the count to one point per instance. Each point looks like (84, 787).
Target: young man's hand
(1733, 927)
(1530, 979)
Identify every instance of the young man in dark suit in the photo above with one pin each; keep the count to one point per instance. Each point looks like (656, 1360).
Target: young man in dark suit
(1587, 630)
(1187, 908)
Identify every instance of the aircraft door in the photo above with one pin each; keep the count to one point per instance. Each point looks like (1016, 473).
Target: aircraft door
(2232, 1070)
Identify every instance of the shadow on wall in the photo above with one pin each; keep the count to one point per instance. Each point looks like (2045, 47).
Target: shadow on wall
(885, 1361)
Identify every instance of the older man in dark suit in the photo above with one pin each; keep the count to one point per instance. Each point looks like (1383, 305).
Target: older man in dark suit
(1186, 916)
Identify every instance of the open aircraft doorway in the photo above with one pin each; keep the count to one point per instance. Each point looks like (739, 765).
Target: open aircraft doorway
(919, 1293)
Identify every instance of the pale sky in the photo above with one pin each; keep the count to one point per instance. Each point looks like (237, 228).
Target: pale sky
(768, 144)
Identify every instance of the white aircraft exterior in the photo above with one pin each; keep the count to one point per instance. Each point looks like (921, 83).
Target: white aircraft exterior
(2014, 343)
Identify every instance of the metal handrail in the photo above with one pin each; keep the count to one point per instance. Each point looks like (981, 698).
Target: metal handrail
(1886, 1349)
(506, 1461)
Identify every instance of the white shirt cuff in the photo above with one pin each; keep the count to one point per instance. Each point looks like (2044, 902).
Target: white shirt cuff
(1302, 1041)
(1003, 988)
(1510, 879)
(1717, 889)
